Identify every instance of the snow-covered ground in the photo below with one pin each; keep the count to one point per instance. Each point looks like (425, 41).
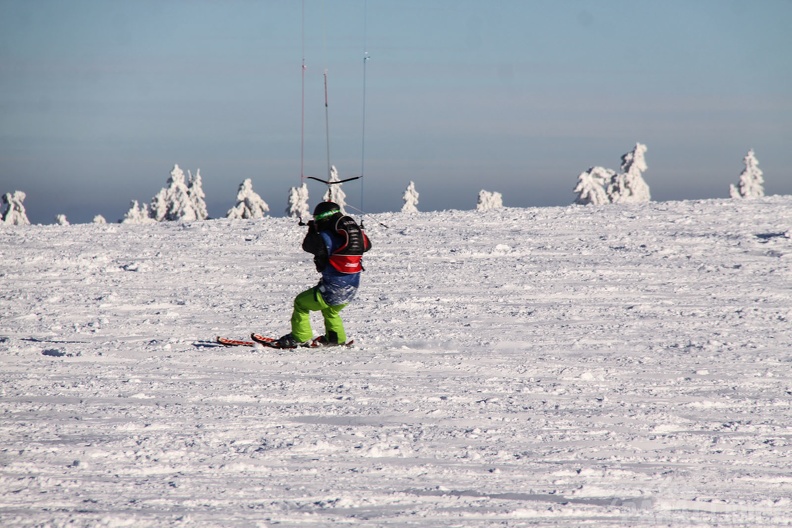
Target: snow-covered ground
(617, 365)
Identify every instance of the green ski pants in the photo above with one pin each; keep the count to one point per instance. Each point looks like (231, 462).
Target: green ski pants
(311, 301)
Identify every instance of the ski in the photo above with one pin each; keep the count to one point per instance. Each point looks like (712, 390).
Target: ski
(273, 343)
(226, 341)
(258, 339)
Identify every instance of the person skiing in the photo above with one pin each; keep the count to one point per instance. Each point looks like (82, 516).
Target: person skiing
(337, 244)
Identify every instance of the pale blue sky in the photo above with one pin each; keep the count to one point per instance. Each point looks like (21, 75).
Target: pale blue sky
(99, 98)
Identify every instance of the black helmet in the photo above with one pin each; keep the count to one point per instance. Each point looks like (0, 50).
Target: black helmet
(325, 210)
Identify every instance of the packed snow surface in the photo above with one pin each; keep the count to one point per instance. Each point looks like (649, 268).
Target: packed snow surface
(622, 365)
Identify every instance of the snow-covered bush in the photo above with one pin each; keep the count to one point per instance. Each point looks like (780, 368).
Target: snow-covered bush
(99, 219)
(751, 184)
(137, 214)
(489, 200)
(175, 202)
(61, 220)
(298, 202)
(410, 198)
(14, 213)
(334, 192)
(599, 185)
(249, 204)
(591, 186)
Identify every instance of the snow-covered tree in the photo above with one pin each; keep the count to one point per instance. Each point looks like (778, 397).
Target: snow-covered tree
(138, 214)
(249, 204)
(99, 219)
(599, 185)
(197, 196)
(334, 192)
(298, 202)
(592, 184)
(61, 220)
(751, 184)
(14, 213)
(489, 200)
(410, 199)
(629, 186)
(174, 201)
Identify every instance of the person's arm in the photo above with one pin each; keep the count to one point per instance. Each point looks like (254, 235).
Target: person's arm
(314, 244)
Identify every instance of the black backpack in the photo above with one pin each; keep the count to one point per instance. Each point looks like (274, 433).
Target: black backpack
(356, 243)
(347, 258)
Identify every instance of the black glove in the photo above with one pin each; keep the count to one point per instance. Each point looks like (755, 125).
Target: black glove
(312, 226)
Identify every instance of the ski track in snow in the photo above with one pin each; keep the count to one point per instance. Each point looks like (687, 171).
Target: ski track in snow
(615, 365)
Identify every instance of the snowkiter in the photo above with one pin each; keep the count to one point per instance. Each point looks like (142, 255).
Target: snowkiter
(337, 244)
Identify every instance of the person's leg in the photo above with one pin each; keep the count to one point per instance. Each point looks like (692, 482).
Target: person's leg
(334, 326)
(304, 303)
